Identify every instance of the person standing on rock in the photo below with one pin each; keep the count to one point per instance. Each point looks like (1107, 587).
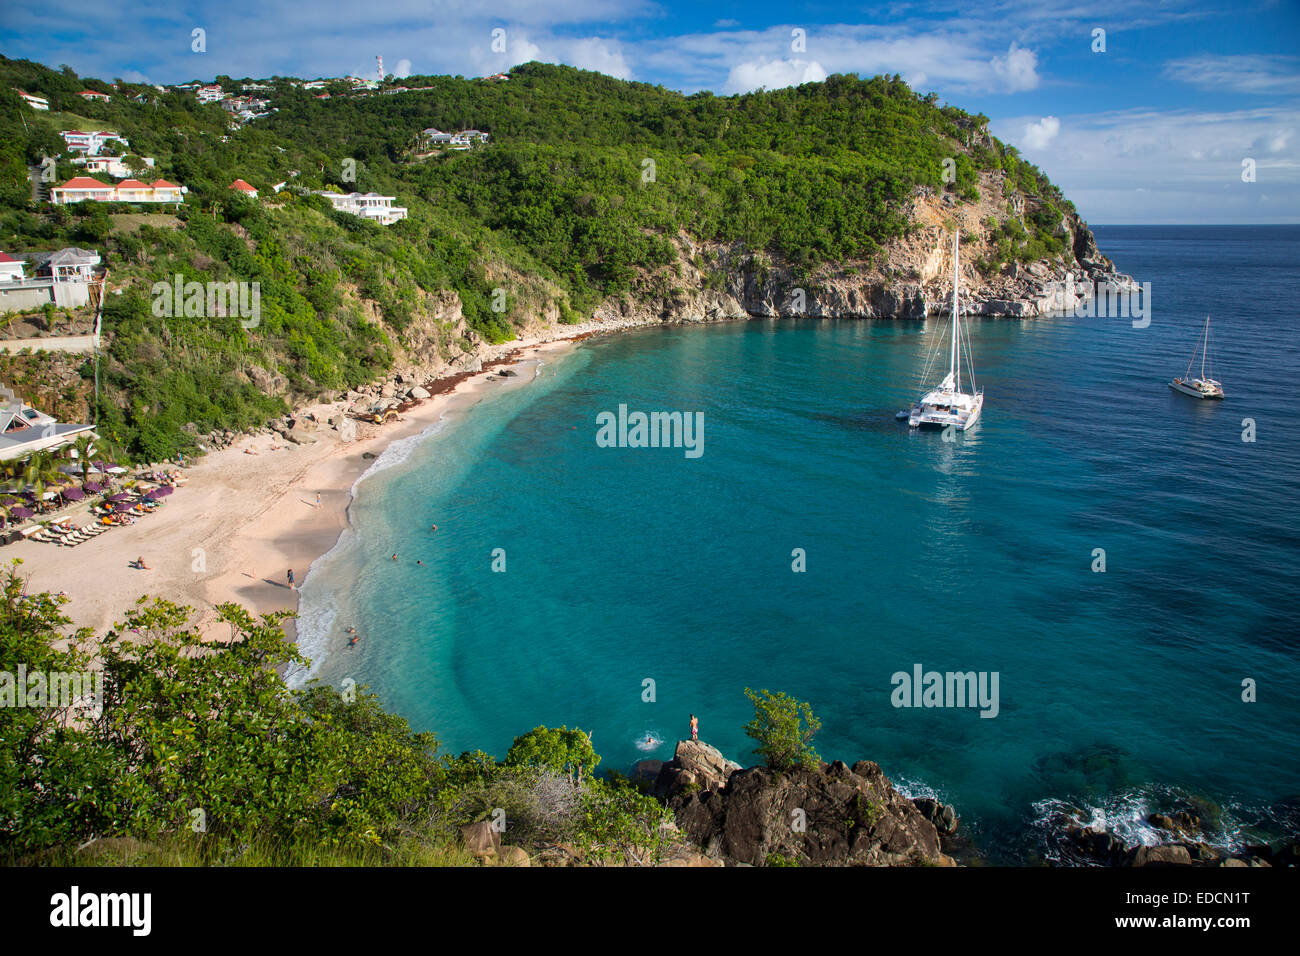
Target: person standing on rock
(695, 727)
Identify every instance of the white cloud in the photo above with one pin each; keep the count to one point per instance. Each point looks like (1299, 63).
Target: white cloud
(773, 74)
(1018, 70)
(1154, 166)
(402, 70)
(1039, 135)
(600, 55)
(1240, 74)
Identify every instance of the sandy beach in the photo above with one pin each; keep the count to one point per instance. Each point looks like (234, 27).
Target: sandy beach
(248, 513)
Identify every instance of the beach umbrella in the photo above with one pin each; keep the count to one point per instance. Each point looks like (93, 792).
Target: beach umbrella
(162, 491)
(122, 506)
(21, 512)
(74, 494)
(93, 487)
(120, 496)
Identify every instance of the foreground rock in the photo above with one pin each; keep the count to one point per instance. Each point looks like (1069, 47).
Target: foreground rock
(835, 815)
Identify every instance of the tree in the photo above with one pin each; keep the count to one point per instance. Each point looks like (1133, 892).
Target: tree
(84, 447)
(562, 751)
(784, 728)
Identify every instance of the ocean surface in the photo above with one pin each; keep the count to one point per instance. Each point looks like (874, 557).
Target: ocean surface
(1119, 691)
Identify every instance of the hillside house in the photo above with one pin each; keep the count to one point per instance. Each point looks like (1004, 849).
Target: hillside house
(91, 143)
(370, 206)
(35, 102)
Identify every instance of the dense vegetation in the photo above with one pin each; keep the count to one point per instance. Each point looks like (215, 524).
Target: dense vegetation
(585, 182)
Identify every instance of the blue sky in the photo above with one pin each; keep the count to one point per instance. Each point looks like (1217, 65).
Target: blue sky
(1153, 129)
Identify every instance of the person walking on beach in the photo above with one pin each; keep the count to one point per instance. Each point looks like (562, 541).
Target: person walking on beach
(695, 727)
(291, 587)
(318, 499)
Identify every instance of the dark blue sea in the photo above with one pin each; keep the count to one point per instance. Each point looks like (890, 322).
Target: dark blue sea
(1120, 691)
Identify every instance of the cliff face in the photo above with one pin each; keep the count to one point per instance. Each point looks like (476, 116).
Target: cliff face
(834, 815)
(910, 278)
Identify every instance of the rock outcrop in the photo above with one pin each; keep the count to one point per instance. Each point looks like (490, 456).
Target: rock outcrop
(834, 815)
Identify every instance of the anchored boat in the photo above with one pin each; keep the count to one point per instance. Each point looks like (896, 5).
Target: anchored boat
(948, 404)
(1205, 386)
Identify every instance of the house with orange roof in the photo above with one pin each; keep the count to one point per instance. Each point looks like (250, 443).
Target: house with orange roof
(245, 188)
(167, 192)
(92, 95)
(80, 189)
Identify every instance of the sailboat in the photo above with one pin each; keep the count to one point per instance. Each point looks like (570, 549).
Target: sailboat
(948, 404)
(1203, 387)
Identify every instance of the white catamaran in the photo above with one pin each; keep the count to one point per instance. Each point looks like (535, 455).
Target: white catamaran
(948, 404)
(1203, 387)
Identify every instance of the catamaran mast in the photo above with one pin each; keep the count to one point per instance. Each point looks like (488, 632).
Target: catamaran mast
(954, 364)
(1205, 346)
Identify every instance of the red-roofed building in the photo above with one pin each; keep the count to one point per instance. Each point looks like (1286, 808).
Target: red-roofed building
(11, 269)
(244, 188)
(92, 95)
(132, 190)
(167, 192)
(81, 188)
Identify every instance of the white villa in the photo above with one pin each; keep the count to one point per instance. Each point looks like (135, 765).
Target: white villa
(109, 164)
(370, 206)
(91, 143)
(462, 140)
(35, 102)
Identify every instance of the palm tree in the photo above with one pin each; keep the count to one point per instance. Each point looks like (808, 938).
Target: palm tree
(40, 471)
(84, 447)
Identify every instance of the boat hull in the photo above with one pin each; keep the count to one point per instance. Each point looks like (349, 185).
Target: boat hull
(921, 417)
(1213, 393)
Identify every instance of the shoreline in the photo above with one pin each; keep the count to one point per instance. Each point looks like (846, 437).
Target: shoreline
(248, 512)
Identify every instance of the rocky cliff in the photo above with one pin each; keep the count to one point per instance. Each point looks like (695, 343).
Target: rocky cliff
(909, 278)
(834, 815)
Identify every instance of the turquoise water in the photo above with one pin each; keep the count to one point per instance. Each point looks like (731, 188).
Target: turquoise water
(627, 564)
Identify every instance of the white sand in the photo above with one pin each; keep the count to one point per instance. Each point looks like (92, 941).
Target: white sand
(242, 520)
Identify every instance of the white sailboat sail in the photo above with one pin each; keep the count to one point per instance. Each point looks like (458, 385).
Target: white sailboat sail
(948, 405)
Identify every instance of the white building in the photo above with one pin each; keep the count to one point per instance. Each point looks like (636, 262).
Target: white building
(210, 94)
(24, 429)
(82, 188)
(63, 278)
(91, 143)
(112, 165)
(370, 206)
(35, 102)
(11, 269)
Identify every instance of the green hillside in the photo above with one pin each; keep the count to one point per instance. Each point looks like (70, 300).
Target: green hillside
(583, 184)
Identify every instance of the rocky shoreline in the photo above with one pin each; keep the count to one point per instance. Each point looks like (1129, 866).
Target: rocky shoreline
(841, 815)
